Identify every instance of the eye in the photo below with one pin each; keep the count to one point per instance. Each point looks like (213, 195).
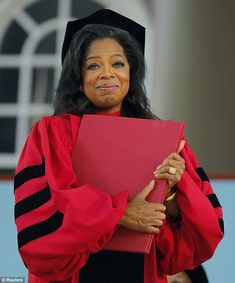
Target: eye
(92, 66)
(118, 64)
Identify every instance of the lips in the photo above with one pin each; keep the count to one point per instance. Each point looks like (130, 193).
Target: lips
(107, 86)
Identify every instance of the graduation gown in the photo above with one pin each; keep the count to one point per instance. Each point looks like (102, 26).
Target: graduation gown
(62, 227)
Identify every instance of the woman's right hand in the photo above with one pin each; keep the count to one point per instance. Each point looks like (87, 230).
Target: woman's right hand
(144, 216)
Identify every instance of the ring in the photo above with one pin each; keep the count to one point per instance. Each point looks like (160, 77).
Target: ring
(172, 170)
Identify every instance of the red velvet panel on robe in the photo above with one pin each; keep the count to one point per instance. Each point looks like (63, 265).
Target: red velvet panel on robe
(59, 224)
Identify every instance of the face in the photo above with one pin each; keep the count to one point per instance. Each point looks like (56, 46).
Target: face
(106, 75)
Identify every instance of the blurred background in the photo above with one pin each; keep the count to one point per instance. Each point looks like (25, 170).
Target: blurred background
(191, 65)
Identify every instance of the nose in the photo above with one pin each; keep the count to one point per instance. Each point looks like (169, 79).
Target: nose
(106, 73)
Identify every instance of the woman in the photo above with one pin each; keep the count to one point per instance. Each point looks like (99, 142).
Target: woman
(62, 227)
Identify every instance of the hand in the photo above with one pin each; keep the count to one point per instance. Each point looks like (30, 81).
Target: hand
(144, 216)
(173, 162)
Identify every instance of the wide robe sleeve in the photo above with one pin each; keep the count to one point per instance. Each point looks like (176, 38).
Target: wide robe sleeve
(192, 240)
(59, 223)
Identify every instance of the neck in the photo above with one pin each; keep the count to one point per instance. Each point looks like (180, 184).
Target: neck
(116, 113)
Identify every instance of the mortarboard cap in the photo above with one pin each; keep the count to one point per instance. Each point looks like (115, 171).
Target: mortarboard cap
(106, 17)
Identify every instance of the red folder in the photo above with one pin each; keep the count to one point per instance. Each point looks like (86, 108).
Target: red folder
(117, 154)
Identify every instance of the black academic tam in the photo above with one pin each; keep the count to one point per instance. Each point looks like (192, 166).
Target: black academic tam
(106, 17)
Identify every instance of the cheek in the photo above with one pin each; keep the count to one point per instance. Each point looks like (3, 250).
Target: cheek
(87, 79)
(126, 88)
(88, 83)
(126, 82)
(124, 77)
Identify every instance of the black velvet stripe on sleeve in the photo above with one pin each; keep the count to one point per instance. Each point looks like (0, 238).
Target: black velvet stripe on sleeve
(29, 173)
(221, 224)
(40, 229)
(202, 174)
(32, 202)
(214, 200)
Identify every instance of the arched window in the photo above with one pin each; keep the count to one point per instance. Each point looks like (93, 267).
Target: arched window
(30, 53)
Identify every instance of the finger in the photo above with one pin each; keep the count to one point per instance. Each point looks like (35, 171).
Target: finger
(152, 230)
(174, 156)
(174, 179)
(164, 173)
(146, 191)
(166, 169)
(155, 207)
(171, 158)
(161, 208)
(154, 216)
(181, 146)
(180, 163)
(158, 223)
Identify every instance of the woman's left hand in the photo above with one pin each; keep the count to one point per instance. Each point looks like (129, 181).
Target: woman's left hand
(172, 168)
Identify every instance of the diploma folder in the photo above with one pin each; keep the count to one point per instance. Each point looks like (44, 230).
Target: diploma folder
(116, 154)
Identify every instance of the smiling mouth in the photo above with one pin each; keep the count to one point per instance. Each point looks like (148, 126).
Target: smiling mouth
(107, 87)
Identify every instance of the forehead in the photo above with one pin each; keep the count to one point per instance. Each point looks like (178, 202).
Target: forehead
(105, 46)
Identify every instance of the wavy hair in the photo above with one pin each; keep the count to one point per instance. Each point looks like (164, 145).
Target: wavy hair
(69, 97)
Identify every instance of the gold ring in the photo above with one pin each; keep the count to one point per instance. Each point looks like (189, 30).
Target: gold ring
(172, 170)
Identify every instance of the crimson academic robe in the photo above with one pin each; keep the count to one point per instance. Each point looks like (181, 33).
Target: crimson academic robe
(62, 227)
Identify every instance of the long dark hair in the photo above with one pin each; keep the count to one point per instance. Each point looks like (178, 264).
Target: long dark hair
(69, 97)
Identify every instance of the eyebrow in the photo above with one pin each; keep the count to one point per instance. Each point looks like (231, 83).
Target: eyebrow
(97, 57)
